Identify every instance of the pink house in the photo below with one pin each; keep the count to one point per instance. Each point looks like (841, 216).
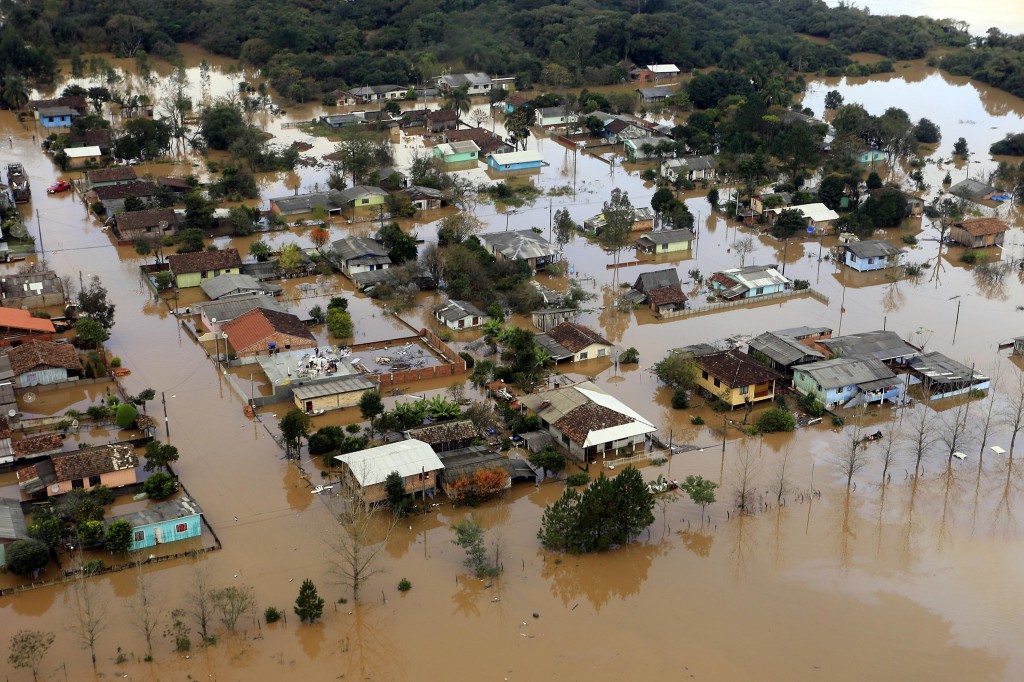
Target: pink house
(112, 465)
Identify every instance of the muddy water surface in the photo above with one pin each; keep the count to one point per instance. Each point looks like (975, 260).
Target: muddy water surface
(980, 15)
(914, 580)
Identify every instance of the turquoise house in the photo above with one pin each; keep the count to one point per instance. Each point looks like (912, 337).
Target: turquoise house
(847, 382)
(164, 522)
(514, 161)
(457, 152)
(57, 117)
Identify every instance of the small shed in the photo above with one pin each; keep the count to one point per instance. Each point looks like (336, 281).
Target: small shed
(460, 315)
(978, 233)
(332, 395)
(445, 435)
(666, 241)
(41, 363)
(80, 157)
(943, 377)
(515, 161)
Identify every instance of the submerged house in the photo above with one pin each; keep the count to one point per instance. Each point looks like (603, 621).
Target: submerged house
(460, 315)
(573, 342)
(588, 422)
(149, 225)
(643, 219)
(515, 161)
(163, 522)
(978, 233)
(354, 255)
(666, 241)
(525, 245)
(333, 394)
(415, 461)
(847, 382)
(215, 314)
(446, 435)
(12, 525)
(692, 168)
(943, 377)
(661, 290)
(882, 345)
(231, 285)
(112, 465)
(190, 269)
(457, 152)
(871, 254)
(973, 190)
(750, 281)
(31, 290)
(735, 378)
(782, 352)
(41, 363)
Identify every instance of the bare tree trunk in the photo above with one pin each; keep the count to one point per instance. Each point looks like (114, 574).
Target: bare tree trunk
(145, 608)
(357, 542)
(90, 610)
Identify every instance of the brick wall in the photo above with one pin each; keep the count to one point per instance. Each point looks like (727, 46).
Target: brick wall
(454, 365)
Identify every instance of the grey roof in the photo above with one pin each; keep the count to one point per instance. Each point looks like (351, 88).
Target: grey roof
(647, 281)
(452, 311)
(784, 350)
(880, 345)
(972, 189)
(304, 203)
(464, 461)
(407, 457)
(159, 512)
(524, 244)
(424, 191)
(537, 440)
(698, 349)
(556, 350)
(12, 520)
(350, 384)
(301, 367)
(873, 248)
(458, 80)
(550, 112)
(803, 332)
(940, 369)
(640, 214)
(357, 247)
(668, 237)
(693, 163)
(236, 306)
(222, 285)
(350, 194)
(657, 91)
(846, 372)
(367, 90)
(30, 284)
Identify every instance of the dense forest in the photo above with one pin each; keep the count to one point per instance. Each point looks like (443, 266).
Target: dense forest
(308, 47)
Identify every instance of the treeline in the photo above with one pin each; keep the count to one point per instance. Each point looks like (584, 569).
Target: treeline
(308, 48)
(997, 59)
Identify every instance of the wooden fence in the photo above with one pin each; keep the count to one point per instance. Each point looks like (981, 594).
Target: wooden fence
(715, 307)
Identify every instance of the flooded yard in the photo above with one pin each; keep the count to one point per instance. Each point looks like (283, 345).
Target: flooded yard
(915, 579)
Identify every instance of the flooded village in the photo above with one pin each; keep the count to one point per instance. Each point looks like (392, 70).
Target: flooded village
(437, 323)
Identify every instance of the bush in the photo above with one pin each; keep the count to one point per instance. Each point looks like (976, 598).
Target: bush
(115, 362)
(98, 412)
(119, 536)
(838, 422)
(93, 567)
(630, 356)
(101, 495)
(774, 419)
(909, 239)
(160, 485)
(801, 284)
(811, 405)
(697, 420)
(126, 415)
(339, 322)
(680, 399)
(27, 556)
(470, 361)
(973, 257)
(271, 615)
(577, 479)
(404, 585)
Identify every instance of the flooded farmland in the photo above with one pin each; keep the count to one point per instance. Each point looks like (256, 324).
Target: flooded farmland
(917, 579)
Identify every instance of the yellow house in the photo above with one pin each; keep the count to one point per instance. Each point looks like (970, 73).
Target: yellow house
(736, 378)
(666, 241)
(190, 269)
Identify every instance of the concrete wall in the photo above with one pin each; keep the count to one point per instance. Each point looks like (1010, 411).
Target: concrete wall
(33, 302)
(330, 402)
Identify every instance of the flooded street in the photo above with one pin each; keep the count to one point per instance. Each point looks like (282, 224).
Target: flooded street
(918, 579)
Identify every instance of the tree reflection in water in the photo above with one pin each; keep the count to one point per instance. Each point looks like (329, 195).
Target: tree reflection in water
(601, 577)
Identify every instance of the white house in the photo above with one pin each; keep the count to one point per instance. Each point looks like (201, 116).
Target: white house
(360, 254)
(555, 116)
(574, 342)
(690, 168)
(460, 315)
(872, 254)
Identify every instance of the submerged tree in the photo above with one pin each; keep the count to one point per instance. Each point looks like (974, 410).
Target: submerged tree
(27, 649)
(309, 606)
(469, 535)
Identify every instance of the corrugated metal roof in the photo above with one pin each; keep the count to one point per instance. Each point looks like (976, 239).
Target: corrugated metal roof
(524, 244)
(879, 344)
(782, 349)
(221, 285)
(407, 457)
(872, 248)
(846, 372)
(349, 384)
(941, 369)
(159, 512)
(12, 520)
(230, 308)
(757, 276)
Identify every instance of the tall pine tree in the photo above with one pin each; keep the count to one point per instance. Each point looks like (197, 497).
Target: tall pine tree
(308, 605)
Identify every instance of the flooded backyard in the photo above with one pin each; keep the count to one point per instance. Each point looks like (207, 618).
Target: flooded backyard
(917, 579)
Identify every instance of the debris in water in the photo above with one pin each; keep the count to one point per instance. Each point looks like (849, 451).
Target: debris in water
(536, 615)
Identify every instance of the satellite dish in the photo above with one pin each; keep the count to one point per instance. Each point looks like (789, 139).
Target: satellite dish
(12, 413)
(29, 397)
(55, 488)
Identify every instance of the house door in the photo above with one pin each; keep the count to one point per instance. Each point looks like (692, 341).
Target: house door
(309, 406)
(159, 534)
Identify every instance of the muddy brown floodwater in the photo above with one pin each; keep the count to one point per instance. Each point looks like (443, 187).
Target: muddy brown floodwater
(918, 579)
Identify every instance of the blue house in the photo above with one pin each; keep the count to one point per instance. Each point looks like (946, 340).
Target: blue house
(164, 522)
(56, 117)
(749, 282)
(847, 382)
(872, 254)
(514, 161)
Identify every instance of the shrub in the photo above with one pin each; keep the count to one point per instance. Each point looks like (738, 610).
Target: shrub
(115, 362)
(630, 356)
(126, 415)
(697, 420)
(912, 270)
(404, 585)
(119, 536)
(909, 239)
(680, 398)
(973, 257)
(577, 479)
(811, 405)
(27, 556)
(101, 495)
(838, 421)
(470, 361)
(774, 419)
(271, 615)
(98, 412)
(801, 284)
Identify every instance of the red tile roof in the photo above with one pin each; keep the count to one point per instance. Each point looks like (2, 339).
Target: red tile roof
(26, 447)
(117, 174)
(666, 296)
(575, 337)
(15, 318)
(257, 325)
(32, 354)
(578, 423)
(735, 369)
(125, 190)
(204, 261)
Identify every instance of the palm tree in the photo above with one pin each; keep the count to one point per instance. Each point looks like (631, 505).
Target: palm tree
(457, 99)
(15, 92)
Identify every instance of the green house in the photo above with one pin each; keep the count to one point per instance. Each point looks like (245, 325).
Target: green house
(457, 152)
(190, 269)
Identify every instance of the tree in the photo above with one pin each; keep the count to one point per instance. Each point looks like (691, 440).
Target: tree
(852, 458)
(260, 250)
(618, 215)
(564, 227)
(960, 148)
(833, 99)
(221, 124)
(319, 236)
(146, 610)
(90, 611)
(458, 99)
(370, 406)
(309, 606)
(290, 259)
(92, 302)
(518, 126)
(294, 426)
(775, 419)
(15, 93)
(160, 455)
(700, 491)
(927, 132)
(401, 246)
(125, 415)
(1012, 412)
(25, 557)
(713, 197)
(678, 370)
(27, 649)
(398, 499)
(469, 535)
(233, 602)
(339, 323)
(90, 333)
(199, 599)
(160, 485)
(119, 537)
(356, 544)
(549, 459)
(661, 199)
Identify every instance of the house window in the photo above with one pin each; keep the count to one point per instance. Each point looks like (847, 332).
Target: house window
(140, 535)
(94, 480)
(565, 439)
(664, 247)
(204, 274)
(717, 383)
(462, 323)
(704, 376)
(601, 352)
(744, 389)
(181, 528)
(871, 261)
(77, 483)
(583, 355)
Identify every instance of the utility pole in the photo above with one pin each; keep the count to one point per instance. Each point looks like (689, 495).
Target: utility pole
(956, 322)
(167, 423)
(42, 249)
